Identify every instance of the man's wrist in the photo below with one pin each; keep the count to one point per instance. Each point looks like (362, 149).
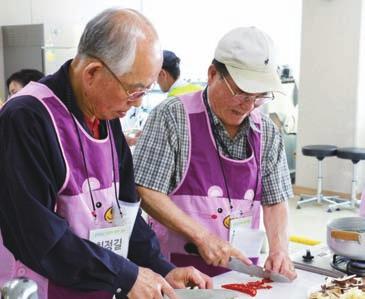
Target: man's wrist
(125, 279)
(200, 237)
(279, 250)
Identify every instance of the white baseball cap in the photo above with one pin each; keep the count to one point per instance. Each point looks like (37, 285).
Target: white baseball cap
(250, 58)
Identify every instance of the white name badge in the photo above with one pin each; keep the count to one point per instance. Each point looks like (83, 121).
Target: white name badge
(244, 238)
(117, 238)
(113, 238)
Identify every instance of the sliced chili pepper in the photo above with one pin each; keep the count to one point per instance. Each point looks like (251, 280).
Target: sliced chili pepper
(250, 291)
(266, 280)
(240, 287)
(249, 288)
(255, 283)
(234, 286)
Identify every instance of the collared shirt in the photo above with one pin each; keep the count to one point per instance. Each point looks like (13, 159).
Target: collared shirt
(179, 82)
(33, 170)
(161, 154)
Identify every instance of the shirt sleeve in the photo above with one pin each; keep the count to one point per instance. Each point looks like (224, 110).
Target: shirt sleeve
(276, 184)
(144, 248)
(32, 171)
(159, 156)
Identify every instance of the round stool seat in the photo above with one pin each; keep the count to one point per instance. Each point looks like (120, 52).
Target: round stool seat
(351, 153)
(320, 151)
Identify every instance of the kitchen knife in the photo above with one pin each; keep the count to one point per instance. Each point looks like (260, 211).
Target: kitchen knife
(237, 265)
(253, 270)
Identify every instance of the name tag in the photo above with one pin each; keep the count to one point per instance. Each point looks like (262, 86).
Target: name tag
(117, 238)
(113, 238)
(244, 238)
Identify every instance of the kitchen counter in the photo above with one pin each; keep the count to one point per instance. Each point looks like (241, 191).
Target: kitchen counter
(298, 289)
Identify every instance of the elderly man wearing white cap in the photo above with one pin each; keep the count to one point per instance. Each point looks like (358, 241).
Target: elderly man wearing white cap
(209, 163)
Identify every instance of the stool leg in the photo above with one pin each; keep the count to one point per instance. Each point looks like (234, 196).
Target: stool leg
(319, 182)
(319, 196)
(352, 202)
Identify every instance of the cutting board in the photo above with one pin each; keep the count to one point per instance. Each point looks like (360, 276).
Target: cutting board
(207, 294)
(298, 289)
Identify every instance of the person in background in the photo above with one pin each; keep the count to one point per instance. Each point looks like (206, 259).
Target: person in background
(169, 77)
(209, 162)
(69, 213)
(132, 124)
(21, 78)
(169, 81)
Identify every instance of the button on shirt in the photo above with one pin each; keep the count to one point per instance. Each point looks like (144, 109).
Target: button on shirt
(161, 154)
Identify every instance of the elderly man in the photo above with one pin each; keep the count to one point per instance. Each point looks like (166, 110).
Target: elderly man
(207, 162)
(69, 214)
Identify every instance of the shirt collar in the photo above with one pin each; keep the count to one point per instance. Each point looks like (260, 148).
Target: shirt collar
(179, 82)
(60, 84)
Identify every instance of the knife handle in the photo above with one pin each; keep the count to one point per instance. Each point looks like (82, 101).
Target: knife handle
(191, 248)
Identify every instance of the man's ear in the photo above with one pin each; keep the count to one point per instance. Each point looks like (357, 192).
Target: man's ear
(92, 73)
(212, 73)
(162, 74)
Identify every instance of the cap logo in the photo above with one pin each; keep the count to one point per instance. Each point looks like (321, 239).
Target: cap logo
(266, 61)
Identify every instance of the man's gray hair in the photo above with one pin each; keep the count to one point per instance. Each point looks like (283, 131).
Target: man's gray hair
(112, 36)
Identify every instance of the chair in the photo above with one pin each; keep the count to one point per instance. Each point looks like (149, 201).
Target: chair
(355, 155)
(320, 152)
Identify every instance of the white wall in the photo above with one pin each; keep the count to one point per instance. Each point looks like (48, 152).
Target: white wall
(191, 28)
(63, 20)
(360, 136)
(331, 110)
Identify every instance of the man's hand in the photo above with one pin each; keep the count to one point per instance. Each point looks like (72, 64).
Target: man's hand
(150, 285)
(280, 262)
(180, 278)
(217, 252)
(132, 136)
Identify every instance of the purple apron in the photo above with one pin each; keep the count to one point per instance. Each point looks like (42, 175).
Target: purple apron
(202, 194)
(73, 199)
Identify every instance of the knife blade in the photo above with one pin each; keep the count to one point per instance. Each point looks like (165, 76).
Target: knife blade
(253, 270)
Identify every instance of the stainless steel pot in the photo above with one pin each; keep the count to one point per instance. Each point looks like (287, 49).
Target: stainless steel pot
(346, 237)
(20, 288)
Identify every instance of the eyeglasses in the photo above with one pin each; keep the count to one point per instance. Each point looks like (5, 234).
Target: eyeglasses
(257, 99)
(131, 95)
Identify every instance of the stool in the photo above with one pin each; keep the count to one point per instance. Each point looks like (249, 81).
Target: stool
(355, 155)
(320, 152)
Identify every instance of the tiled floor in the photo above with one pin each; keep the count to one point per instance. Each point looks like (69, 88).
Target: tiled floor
(311, 221)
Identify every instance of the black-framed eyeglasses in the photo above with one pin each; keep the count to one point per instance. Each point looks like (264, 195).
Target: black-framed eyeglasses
(257, 99)
(131, 95)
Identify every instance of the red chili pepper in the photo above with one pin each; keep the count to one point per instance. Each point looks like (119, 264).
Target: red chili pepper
(240, 287)
(252, 292)
(255, 283)
(234, 286)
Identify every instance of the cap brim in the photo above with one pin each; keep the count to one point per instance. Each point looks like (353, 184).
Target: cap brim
(256, 82)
